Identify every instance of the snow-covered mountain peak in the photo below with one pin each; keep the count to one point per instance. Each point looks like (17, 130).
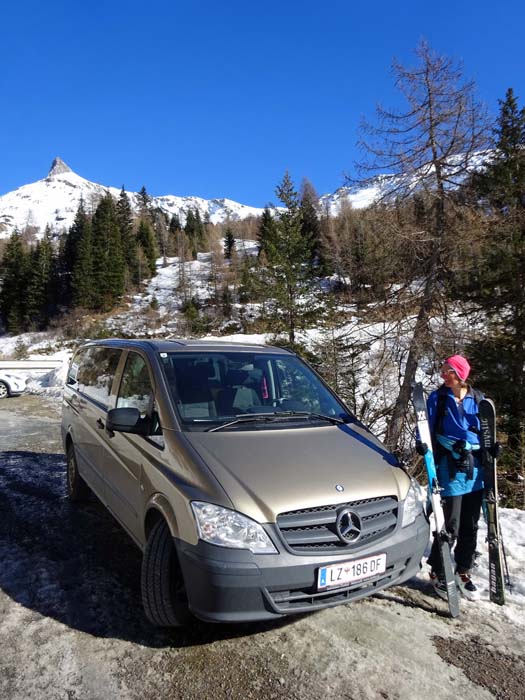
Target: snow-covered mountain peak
(53, 201)
(58, 167)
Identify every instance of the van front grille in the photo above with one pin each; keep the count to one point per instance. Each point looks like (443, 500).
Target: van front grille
(314, 530)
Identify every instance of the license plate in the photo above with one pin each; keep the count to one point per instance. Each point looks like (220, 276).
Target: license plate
(350, 571)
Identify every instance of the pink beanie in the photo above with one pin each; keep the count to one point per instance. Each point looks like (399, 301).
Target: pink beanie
(460, 366)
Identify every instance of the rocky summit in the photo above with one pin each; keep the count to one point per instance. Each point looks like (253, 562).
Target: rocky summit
(58, 167)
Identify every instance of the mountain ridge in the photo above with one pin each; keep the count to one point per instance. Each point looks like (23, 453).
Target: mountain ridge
(53, 201)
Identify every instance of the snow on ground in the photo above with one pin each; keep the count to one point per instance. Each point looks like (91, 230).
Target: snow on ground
(51, 383)
(38, 344)
(166, 290)
(512, 523)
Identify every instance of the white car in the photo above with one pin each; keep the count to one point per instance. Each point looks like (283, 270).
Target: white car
(11, 384)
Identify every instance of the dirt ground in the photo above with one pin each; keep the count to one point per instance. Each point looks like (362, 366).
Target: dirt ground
(72, 626)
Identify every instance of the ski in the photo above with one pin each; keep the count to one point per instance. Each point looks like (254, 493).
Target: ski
(439, 530)
(487, 420)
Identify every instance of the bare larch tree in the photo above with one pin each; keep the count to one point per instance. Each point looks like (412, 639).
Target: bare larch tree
(428, 149)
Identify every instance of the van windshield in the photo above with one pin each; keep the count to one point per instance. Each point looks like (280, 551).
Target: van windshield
(212, 389)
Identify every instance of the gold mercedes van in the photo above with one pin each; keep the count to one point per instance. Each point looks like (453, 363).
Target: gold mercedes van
(248, 485)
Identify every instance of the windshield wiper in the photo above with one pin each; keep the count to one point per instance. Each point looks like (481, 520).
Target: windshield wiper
(320, 416)
(244, 418)
(272, 417)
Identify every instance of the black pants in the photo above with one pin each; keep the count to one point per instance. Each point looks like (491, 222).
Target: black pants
(461, 521)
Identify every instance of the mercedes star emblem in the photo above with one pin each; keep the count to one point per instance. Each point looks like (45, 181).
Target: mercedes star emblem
(348, 526)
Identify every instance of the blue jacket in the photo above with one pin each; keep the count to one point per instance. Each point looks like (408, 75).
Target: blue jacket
(455, 427)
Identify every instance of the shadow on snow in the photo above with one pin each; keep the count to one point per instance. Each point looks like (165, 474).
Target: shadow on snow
(75, 564)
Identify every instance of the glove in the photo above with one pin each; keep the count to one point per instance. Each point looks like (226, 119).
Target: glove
(421, 448)
(460, 448)
(495, 450)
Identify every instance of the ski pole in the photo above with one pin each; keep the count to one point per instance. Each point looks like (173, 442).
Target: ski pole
(508, 582)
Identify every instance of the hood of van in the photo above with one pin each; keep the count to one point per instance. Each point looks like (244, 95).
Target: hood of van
(267, 472)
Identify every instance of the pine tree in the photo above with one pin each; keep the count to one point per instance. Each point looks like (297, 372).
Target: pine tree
(200, 227)
(39, 293)
(311, 225)
(174, 229)
(342, 356)
(266, 230)
(146, 240)
(144, 201)
(107, 255)
(161, 228)
(229, 243)
(288, 255)
(15, 272)
(82, 278)
(69, 251)
(175, 225)
(128, 238)
(194, 229)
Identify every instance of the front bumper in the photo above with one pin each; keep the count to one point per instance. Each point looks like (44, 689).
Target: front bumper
(229, 585)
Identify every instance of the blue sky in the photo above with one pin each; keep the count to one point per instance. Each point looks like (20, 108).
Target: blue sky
(218, 98)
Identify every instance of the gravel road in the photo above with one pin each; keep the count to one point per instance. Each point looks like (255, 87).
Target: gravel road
(72, 627)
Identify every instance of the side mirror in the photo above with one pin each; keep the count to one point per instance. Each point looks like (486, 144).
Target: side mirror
(126, 420)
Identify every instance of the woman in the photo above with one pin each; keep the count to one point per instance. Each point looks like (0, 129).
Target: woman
(454, 426)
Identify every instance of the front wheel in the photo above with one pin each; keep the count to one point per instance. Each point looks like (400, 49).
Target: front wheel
(77, 489)
(4, 390)
(163, 591)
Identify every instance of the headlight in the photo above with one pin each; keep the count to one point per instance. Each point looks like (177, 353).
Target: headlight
(413, 504)
(227, 528)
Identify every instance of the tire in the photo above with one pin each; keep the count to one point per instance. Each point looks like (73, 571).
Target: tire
(77, 489)
(4, 390)
(163, 591)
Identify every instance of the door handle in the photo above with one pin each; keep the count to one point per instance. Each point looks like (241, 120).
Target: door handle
(100, 424)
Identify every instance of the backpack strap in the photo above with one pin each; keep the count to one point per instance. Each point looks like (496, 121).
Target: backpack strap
(478, 395)
(440, 408)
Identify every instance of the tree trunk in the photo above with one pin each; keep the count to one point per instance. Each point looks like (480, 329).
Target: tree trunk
(417, 345)
(419, 339)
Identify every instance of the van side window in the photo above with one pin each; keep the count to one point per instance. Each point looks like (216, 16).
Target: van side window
(136, 392)
(135, 388)
(76, 362)
(96, 373)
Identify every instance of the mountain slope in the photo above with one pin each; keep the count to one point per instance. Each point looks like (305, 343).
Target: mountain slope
(53, 201)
